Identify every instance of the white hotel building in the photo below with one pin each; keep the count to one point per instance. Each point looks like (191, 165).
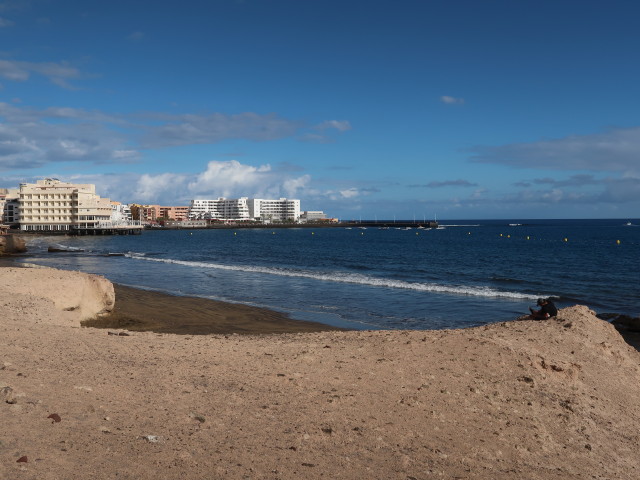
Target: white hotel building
(52, 205)
(245, 209)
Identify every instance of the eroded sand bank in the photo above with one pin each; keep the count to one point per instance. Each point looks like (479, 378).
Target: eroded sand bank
(539, 400)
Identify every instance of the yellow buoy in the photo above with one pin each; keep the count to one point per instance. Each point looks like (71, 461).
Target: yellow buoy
(618, 242)
(566, 239)
(527, 237)
(313, 233)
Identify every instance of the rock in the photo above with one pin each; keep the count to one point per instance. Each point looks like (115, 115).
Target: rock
(197, 416)
(7, 395)
(55, 417)
(10, 244)
(625, 322)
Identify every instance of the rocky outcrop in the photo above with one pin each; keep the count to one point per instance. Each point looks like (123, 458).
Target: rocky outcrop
(10, 244)
(627, 323)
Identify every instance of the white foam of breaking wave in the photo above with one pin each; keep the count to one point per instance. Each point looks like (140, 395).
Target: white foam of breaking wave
(354, 278)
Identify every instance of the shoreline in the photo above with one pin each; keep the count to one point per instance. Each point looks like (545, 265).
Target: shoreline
(142, 310)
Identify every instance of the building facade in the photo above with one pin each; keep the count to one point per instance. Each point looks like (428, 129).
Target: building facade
(174, 213)
(120, 213)
(155, 213)
(281, 210)
(9, 206)
(54, 206)
(313, 216)
(224, 209)
(245, 209)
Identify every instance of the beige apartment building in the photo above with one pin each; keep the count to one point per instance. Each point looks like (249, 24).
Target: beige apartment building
(153, 213)
(52, 205)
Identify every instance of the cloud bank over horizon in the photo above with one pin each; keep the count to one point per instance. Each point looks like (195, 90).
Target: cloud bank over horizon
(616, 150)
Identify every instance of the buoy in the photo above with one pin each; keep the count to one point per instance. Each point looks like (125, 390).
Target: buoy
(313, 233)
(469, 233)
(508, 236)
(500, 234)
(361, 233)
(527, 237)
(566, 239)
(417, 233)
(618, 242)
(235, 233)
(273, 233)
(190, 233)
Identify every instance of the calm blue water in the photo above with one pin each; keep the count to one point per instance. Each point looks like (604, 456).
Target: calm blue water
(482, 272)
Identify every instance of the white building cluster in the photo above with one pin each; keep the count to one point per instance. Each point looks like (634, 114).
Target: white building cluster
(245, 209)
(53, 206)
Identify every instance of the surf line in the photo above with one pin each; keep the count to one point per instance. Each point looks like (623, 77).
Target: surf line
(351, 278)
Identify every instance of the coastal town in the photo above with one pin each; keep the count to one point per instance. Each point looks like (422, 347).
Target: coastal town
(53, 206)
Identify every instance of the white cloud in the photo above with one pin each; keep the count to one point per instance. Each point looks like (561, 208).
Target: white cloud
(451, 100)
(153, 188)
(340, 125)
(58, 73)
(315, 138)
(29, 140)
(192, 129)
(230, 178)
(70, 134)
(445, 183)
(13, 71)
(292, 186)
(617, 150)
(350, 193)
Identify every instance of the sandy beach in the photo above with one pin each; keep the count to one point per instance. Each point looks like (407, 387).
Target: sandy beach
(557, 399)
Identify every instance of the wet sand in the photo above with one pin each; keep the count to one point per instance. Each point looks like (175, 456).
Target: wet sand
(143, 310)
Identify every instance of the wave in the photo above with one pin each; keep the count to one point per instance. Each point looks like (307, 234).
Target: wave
(352, 278)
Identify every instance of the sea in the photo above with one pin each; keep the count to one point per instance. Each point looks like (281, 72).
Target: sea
(382, 276)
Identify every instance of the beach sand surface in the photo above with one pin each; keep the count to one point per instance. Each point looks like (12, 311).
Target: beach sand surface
(145, 310)
(557, 399)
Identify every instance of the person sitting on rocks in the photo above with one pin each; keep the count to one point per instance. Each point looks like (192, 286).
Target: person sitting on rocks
(547, 310)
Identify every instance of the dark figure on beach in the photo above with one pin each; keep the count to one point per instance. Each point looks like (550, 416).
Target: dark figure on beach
(547, 310)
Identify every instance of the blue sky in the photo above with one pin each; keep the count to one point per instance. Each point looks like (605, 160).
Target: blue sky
(363, 109)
